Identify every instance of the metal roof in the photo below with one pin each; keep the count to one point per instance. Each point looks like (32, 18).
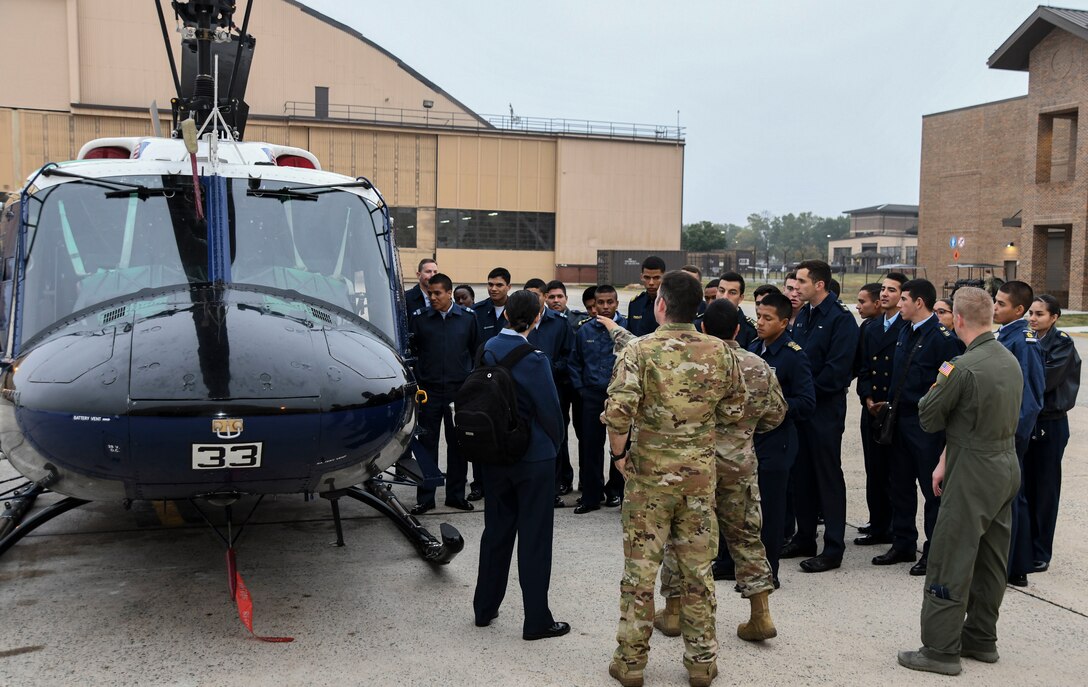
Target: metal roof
(886, 209)
(1015, 51)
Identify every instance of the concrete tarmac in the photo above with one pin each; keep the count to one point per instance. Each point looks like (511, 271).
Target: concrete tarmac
(104, 596)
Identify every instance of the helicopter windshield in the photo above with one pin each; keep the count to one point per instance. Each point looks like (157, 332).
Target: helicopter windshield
(92, 242)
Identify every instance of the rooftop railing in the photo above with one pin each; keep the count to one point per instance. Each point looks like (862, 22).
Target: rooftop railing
(429, 118)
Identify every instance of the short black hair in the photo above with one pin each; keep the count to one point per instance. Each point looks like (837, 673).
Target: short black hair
(522, 307)
(589, 294)
(924, 289)
(441, 280)
(764, 289)
(712, 284)
(653, 263)
(501, 273)
(873, 289)
(423, 262)
(834, 287)
(682, 294)
(897, 276)
(818, 270)
(734, 277)
(1051, 303)
(692, 269)
(790, 275)
(536, 283)
(781, 304)
(721, 318)
(466, 287)
(603, 288)
(555, 284)
(1019, 293)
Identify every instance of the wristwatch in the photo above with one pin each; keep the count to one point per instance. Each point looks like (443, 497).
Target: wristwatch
(615, 457)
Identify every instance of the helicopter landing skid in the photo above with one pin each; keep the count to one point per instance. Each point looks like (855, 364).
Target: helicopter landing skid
(379, 495)
(14, 525)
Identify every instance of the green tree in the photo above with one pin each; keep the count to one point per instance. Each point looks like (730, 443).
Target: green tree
(702, 237)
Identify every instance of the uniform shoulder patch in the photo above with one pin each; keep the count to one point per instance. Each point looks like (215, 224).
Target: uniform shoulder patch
(469, 310)
(946, 368)
(417, 311)
(794, 345)
(944, 330)
(843, 306)
(1029, 335)
(1065, 335)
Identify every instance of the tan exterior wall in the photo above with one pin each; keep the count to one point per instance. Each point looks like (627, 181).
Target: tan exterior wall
(496, 173)
(35, 77)
(881, 224)
(472, 266)
(972, 176)
(617, 195)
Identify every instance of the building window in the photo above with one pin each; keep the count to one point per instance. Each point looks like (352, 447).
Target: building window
(1056, 150)
(912, 255)
(404, 226)
(494, 230)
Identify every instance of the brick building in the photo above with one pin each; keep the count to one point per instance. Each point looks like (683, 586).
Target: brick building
(1004, 175)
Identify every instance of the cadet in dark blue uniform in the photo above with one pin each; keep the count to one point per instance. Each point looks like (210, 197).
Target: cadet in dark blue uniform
(640, 312)
(776, 450)
(731, 287)
(876, 349)
(489, 315)
(555, 293)
(1011, 304)
(827, 332)
(1043, 463)
(924, 345)
(444, 339)
(590, 371)
(416, 298)
(519, 503)
(553, 337)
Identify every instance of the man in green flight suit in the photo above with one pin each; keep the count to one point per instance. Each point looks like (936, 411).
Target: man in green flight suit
(976, 401)
(669, 389)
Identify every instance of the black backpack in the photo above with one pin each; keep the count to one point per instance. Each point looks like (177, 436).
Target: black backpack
(486, 421)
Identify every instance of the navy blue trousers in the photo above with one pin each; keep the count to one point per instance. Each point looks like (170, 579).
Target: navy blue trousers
(915, 455)
(1020, 556)
(433, 414)
(1043, 482)
(878, 475)
(817, 481)
(519, 506)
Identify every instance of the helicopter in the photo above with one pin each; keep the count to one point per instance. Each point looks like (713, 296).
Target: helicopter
(204, 319)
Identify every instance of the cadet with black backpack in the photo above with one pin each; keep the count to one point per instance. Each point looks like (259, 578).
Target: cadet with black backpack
(518, 471)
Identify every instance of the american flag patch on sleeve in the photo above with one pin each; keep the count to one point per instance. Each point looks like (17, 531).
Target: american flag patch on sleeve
(946, 368)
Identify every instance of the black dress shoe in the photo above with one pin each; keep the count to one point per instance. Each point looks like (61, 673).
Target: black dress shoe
(1040, 566)
(613, 502)
(583, 509)
(893, 556)
(460, 504)
(565, 489)
(476, 494)
(556, 630)
(919, 568)
(873, 539)
(421, 508)
(559, 503)
(1018, 580)
(865, 529)
(820, 564)
(777, 584)
(796, 549)
(481, 622)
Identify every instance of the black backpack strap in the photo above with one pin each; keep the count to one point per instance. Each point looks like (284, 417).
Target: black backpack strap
(480, 355)
(514, 357)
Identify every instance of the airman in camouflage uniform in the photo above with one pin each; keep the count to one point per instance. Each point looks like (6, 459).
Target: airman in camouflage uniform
(669, 390)
(738, 506)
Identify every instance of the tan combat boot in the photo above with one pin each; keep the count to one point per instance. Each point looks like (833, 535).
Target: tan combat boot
(668, 619)
(759, 626)
(702, 674)
(626, 675)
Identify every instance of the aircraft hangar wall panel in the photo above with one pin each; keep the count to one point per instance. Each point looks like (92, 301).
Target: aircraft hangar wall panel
(9, 175)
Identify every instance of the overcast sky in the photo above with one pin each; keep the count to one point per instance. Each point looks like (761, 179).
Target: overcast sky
(789, 105)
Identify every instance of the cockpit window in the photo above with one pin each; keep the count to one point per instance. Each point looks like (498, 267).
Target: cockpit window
(91, 242)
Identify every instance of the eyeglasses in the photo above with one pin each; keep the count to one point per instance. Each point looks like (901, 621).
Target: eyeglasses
(942, 311)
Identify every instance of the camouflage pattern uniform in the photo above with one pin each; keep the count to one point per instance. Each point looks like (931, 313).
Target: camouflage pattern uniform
(670, 388)
(738, 507)
(740, 519)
